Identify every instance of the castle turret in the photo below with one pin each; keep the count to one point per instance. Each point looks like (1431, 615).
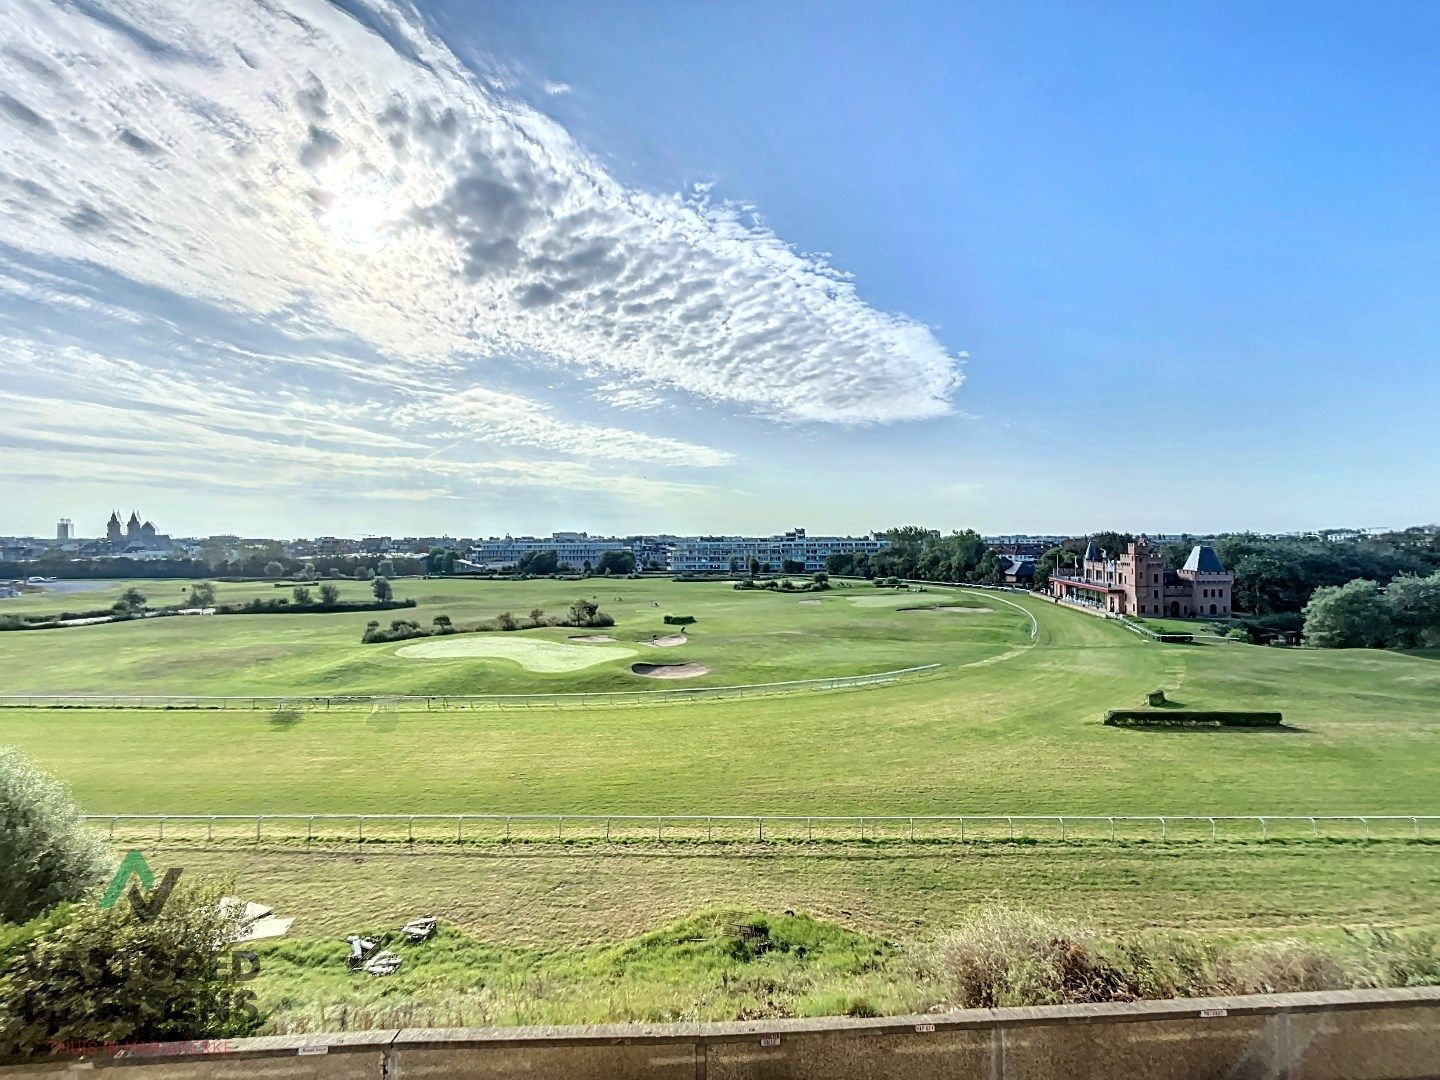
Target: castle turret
(112, 528)
(132, 527)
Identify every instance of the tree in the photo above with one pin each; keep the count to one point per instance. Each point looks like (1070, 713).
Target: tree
(100, 975)
(734, 565)
(382, 590)
(386, 568)
(990, 570)
(302, 594)
(1350, 616)
(792, 566)
(131, 602)
(48, 855)
(754, 566)
(1414, 604)
(537, 614)
(618, 562)
(1051, 560)
(202, 595)
(274, 568)
(329, 594)
(538, 563)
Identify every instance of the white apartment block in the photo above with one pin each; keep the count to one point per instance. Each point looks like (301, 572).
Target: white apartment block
(574, 548)
(710, 554)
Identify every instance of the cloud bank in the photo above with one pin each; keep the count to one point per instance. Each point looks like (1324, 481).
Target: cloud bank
(272, 158)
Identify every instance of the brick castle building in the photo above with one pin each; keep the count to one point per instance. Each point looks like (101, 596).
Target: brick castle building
(1137, 583)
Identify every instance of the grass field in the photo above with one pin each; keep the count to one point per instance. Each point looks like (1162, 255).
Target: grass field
(1010, 724)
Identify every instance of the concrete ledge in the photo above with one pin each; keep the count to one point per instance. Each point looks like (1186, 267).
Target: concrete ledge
(1333, 1035)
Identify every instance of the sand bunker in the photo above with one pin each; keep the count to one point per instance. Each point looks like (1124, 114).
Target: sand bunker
(667, 642)
(530, 653)
(592, 637)
(809, 601)
(953, 610)
(670, 671)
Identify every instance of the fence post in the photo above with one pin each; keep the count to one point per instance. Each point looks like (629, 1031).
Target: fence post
(410, 835)
(559, 826)
(309, 829)
(1314, 828)
(1164, 830)
(359, 828)
(1062, 828)
(1415, 822)
(1214, 835)
(1367, 827)
(210, 828)
(1112, 829)
(112, 828)
(507, 828)
(760, 824)
(912, 829)
(460, 827)
(658, 825)
(607, 830)
(1264, 830)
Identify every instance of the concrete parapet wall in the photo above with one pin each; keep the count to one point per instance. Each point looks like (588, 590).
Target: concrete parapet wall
(1344, 1035)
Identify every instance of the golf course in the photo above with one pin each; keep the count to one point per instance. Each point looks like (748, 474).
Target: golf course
(1009, 722)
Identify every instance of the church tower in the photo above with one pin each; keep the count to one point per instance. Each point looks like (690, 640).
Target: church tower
(112, 529)
(132, 528)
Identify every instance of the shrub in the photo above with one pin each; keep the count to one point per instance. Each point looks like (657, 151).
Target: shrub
(506, 621)
(1001, 958)
(47, 853)
(329, 594)
(1190, 717)
(302, 594)
(202, 595)
(382, 590)
(100, 975)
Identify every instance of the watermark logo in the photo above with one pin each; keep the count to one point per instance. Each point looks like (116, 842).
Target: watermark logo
(133, 865)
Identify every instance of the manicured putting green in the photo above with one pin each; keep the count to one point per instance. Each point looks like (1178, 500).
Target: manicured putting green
(530, 653)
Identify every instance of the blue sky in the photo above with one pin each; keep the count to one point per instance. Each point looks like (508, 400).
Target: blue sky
(481, 267)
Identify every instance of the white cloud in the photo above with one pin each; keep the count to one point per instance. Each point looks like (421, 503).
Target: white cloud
(557, 88)
(350, 173)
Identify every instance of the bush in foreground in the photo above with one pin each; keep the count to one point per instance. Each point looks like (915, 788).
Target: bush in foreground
(47, 854)
(89, 975)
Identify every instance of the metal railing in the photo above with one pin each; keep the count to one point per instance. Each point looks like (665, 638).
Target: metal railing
(440, 828)
(430, 702)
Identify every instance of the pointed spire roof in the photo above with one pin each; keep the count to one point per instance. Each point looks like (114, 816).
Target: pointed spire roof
(1203, 560)
(114, 517)
(134, 517)
(1091, 553)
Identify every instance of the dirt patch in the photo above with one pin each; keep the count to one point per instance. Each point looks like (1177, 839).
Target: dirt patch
(667, 642)
(670, 671)
(592, 637)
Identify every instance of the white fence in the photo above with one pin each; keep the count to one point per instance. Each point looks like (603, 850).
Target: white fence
(430, 702)
(1013, 828)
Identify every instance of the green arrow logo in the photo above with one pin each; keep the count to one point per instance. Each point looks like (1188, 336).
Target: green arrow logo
(134, 865)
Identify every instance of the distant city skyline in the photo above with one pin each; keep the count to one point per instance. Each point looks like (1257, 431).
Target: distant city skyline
(316, 268)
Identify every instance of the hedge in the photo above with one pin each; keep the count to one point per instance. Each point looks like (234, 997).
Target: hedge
(1190, 717)
(679, 620)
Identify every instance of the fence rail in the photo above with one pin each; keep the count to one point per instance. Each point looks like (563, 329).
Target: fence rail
(432, 702)
(442, 828)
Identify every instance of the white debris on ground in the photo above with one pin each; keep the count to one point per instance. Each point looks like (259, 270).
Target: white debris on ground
(383, 963)
(257, 921)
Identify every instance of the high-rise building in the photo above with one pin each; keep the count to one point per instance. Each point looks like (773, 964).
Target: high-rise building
(64, 530)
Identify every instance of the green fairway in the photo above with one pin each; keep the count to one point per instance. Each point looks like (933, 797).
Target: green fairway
(1006, 726)
(742, 637)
